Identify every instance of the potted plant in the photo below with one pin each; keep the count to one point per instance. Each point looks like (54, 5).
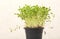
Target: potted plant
(35, 18)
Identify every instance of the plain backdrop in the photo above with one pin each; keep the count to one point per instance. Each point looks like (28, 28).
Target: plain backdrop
(10, 21)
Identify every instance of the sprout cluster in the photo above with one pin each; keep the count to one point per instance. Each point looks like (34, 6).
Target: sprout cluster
(34, 16)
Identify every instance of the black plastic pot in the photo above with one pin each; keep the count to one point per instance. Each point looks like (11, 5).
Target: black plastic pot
(34, 33)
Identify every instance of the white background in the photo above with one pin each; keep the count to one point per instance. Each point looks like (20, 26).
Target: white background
(8, 20)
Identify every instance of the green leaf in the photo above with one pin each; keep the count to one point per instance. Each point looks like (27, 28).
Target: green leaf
(34, 16)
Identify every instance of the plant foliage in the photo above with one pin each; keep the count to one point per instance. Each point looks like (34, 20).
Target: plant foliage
(34, 16)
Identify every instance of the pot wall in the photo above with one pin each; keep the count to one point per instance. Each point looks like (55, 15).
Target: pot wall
(33, 33)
